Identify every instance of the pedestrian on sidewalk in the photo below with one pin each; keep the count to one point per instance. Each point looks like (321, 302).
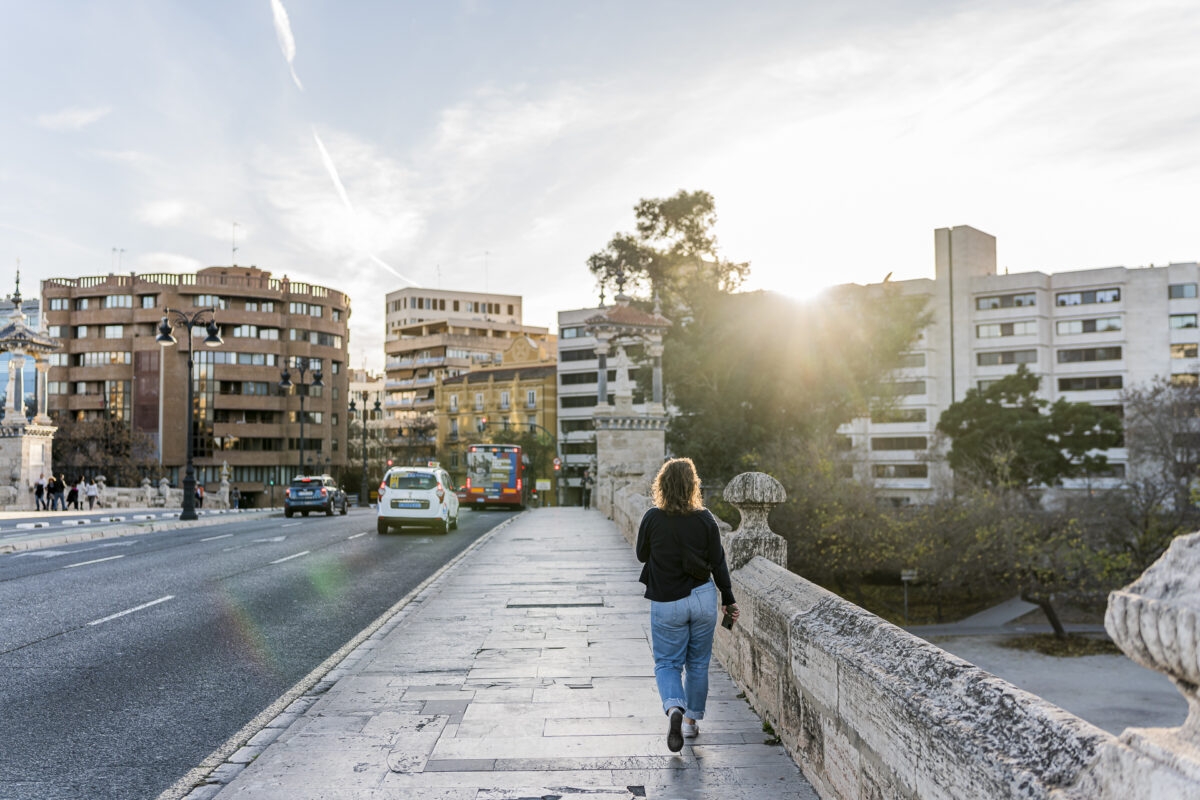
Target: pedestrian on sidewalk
(680, 545)
(55, 487)
(93, 493)
(39, 493)
(73, 496)
(586, 484)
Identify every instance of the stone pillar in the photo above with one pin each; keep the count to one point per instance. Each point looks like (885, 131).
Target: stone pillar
(14, 410)
(602, 347)
(656, 352)
(43, 401)
(754, 494)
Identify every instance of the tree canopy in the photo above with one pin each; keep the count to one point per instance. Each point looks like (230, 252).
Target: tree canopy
(673, 251)
(1008, 436)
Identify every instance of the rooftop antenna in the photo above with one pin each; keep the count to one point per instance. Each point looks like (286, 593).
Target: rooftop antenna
(439, 272)
(233, 244)
(486, 303)
(117, 253)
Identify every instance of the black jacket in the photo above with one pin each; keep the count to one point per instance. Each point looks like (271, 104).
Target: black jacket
(658, 541)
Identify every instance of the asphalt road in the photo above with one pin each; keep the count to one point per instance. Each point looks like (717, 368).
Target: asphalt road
(125, 662)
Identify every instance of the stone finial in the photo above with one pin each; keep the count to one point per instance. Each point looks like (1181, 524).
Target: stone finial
(1155, 620)
(754, 494)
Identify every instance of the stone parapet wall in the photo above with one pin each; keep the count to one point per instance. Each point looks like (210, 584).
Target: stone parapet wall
(870, 711)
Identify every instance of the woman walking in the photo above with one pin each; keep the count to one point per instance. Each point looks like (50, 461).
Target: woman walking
(680, 545)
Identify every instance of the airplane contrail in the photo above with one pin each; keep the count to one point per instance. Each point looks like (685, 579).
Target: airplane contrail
(331, 168)
(287, 42)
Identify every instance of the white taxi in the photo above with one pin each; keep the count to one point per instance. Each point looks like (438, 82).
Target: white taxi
(422, 496)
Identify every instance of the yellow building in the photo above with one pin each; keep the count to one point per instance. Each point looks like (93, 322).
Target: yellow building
(501, 401)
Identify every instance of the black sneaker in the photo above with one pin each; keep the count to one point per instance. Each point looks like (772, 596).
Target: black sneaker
(675, 733)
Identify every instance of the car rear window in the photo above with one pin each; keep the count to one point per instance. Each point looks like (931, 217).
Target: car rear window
(411, 480)
(305, 482)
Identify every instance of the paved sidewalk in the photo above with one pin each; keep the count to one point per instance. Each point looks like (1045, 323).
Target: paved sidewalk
(523, 672)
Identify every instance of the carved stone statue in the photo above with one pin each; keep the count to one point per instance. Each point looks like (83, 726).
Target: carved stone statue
(148, 493)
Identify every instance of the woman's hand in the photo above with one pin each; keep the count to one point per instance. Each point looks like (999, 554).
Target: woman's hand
(731, 610)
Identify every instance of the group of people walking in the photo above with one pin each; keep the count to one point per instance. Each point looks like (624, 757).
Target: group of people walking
(56, 494)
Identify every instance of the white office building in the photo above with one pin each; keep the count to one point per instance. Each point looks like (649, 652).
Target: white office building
(1088, 334)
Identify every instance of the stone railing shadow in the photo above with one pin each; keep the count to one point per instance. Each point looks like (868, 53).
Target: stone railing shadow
(868, 710)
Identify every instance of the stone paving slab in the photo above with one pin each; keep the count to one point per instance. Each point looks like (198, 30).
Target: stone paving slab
(525, 673)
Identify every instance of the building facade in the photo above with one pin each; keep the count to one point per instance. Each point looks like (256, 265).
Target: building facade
(433, 335)
(1087, 334)
(519, 394)
(112, 366)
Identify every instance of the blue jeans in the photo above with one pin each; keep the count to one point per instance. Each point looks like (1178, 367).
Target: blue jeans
(681, 633)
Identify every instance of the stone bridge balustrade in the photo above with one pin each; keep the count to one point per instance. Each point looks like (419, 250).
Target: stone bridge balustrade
(870, 711)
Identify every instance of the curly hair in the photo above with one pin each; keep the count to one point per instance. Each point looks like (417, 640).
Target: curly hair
(677, 487)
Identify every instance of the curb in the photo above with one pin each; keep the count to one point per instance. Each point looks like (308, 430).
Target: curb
(123, 530)
(227, 761)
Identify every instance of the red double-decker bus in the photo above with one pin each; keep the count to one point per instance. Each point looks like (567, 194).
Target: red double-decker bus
(495, 476)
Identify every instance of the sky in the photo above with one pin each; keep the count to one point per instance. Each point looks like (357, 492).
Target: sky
(371, 146)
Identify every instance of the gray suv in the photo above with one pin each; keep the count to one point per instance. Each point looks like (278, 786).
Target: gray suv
(313, 493)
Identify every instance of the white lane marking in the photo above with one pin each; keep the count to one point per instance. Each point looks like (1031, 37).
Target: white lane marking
(93, 561)
(272, 539)
(289, 558)
(222, 536)
(131, 610)
(291, 524)
(43, 553)
(355, 536)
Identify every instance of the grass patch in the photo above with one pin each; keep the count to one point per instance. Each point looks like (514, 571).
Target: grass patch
(1074, 645)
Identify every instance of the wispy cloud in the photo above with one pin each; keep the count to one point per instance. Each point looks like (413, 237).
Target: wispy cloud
(287, 42)
(72, 119)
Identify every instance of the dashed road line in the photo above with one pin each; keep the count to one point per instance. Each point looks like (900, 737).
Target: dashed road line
(212, 538)
(131, 610)
(291, 524)
(93, 561)
(289, 558)
(355, 536)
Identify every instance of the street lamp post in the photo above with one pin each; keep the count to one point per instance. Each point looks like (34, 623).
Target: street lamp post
(363, 494)
(174, 318)
(301, 365)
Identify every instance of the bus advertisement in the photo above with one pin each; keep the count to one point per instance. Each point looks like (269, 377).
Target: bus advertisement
(495, 475)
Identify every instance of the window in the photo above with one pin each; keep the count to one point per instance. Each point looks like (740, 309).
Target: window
(576, 378)
(256, 359)
(992, 330)
(1183, 320)
(570, 333)
(204, 300)
(100, 359)
(580, 401)
(335, 314)
(998, 357)
(531, 398)
(577, 355)
(479, 401)
(271, 334)
(58, 303)
(571, 425)
(60, 331)
(504, 401)
(886, 416)
(1023, 300)
(985, 385)
(118, 301)
(114, 331)
(1068, 327)
(81, 304)
(454, 402)
(149, 300)
(900, 470)
(335, 367)
(909, 387)
(1090, 384)
(1088, 297)
(267, 306)
(510, 309)
(58, 359)
(1089, 354)
(912, 360)
(245, 332)
(1181, 291)
(1187, 350)
(261, 388)
(898, 442)
(1185, 379)
(315, 337)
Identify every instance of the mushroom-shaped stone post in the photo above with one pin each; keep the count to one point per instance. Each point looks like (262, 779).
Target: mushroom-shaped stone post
(754, 494)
